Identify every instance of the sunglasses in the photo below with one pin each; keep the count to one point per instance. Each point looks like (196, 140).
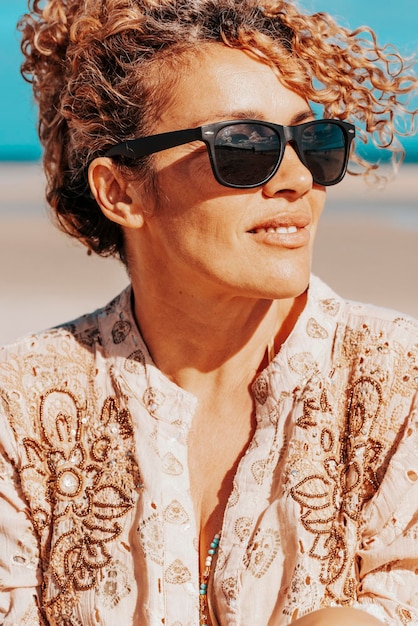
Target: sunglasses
(247, 153)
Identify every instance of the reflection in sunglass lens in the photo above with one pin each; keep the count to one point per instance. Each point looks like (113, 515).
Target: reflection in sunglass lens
(323, 149)
(246, 154)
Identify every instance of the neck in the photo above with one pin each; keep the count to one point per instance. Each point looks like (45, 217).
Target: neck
(212, 340)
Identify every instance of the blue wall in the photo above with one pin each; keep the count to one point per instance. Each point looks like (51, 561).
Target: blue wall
(18, 140)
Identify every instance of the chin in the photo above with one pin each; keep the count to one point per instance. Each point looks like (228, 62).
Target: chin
(291, 286)
(283, 291)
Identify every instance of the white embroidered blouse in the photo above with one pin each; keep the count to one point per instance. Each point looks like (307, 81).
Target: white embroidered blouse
(96, 521)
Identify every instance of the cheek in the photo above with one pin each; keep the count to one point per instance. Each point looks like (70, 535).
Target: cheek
(317, 204)
(188, 206)
(184, 165)
(200, 167)
(187, 179)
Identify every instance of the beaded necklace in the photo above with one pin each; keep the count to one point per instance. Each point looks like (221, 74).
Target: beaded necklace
(213, 549)
(203, 590)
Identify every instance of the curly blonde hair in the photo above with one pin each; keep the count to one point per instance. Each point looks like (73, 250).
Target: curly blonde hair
(102, 69)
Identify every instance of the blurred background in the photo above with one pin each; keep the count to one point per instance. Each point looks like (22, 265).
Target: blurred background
(367, 248)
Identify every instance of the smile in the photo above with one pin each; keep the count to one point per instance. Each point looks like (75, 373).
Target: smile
(280, 230)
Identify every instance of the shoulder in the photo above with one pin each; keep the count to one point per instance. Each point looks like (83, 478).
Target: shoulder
(371, 350)
(363, 319)
(83, 334)
(58, 365)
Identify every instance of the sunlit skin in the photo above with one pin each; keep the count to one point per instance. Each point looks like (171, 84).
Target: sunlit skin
(198, 255)
(211, 286)
(203, 232)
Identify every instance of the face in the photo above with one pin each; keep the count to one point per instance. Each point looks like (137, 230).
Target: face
(216, 241)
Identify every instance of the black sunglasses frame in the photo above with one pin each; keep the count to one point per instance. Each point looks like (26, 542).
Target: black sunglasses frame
(144, 146)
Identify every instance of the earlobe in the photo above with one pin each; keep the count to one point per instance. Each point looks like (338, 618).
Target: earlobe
(115, 196)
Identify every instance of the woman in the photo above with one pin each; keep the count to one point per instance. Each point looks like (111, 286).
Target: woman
(220, 444)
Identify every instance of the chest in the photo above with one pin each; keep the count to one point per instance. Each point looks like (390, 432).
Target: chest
(278, 492)
(216, 445)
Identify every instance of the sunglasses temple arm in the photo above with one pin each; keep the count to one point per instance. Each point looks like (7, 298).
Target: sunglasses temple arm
(137, 148)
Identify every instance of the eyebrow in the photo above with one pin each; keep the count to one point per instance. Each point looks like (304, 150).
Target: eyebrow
(252, 114)
(302, 116)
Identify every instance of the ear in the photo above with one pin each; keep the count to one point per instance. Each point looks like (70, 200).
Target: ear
(119, 200)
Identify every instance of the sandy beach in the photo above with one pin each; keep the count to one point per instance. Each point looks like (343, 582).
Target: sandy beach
(366, 249)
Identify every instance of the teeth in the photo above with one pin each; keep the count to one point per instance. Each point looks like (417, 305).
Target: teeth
(281, 230)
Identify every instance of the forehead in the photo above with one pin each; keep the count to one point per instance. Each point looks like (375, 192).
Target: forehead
(223, 83)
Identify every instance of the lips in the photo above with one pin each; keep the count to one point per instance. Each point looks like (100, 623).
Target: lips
(285, 225)
(290, 230)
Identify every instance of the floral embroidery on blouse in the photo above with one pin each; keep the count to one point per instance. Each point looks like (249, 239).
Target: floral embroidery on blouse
(94, 462)
(87, 489)
(80, 476)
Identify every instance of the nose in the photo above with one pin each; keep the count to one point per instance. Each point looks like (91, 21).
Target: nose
(291, 179)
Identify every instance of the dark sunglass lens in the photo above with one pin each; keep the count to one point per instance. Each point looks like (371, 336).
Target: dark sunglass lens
(324, 151)
(246, 154)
